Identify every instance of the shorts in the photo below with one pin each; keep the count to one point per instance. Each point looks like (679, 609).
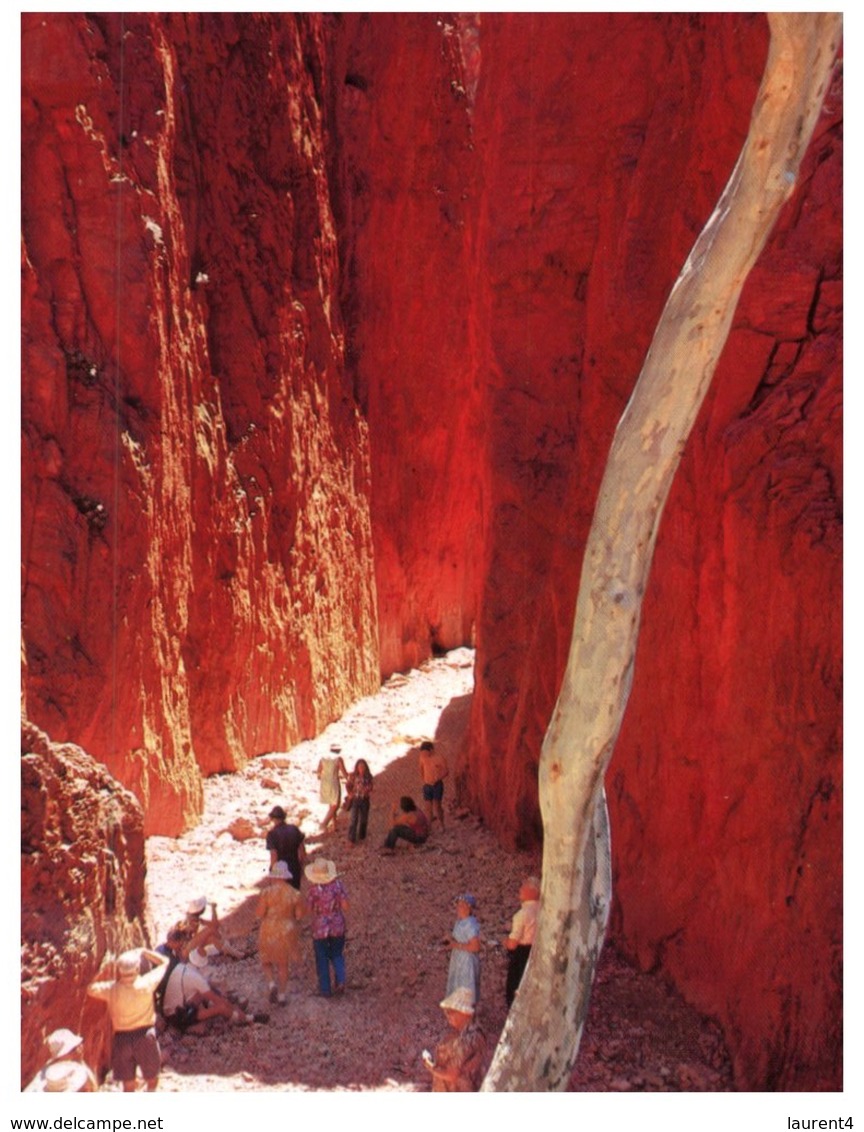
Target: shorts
(435, 792)
(133, 1049)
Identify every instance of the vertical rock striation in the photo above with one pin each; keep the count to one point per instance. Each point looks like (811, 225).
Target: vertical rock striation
(197, 544)
(597, 146)
(328, 322)
(409, 173)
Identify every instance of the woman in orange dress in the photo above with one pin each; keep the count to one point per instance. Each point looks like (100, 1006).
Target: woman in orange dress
(280, 909)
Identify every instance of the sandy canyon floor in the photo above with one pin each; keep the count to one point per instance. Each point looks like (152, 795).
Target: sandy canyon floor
(639, 1035)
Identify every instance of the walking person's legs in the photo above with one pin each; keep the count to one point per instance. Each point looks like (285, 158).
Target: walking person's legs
(337, 958)
(322, 965)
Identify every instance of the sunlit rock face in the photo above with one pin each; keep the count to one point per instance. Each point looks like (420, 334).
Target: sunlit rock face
(198, 557)
(82, 891)
(328, 322)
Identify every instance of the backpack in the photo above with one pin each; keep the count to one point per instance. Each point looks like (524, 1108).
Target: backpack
(159, 993)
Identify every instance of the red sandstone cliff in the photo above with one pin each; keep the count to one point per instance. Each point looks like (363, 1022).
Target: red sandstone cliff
(597, 146)
(327, 325)
(197, 546)
(82, 889)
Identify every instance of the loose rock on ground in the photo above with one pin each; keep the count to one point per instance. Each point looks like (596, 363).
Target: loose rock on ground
(639, 1036)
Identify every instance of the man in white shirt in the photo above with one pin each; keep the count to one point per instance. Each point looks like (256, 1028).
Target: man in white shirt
(521, 936)
(190, 1000)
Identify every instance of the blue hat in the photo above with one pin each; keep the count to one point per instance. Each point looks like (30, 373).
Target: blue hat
(468, 899)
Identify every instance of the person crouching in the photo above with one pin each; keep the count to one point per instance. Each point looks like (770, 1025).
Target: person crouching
(190, 1000)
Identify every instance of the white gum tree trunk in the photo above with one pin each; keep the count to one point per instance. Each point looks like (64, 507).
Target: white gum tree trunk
(540, 1041)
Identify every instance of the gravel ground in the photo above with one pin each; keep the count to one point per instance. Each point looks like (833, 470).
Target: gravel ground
(639, 1036)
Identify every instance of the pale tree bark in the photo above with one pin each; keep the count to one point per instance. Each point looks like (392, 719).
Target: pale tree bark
(540, 1041)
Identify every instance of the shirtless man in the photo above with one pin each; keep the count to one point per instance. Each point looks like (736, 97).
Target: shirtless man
(433, 771)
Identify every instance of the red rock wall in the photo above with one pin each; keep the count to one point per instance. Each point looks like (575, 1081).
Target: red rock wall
(595, 147)
(328, 322)
(82, 890)
(725, 787)
(409, 198)
(197, 543)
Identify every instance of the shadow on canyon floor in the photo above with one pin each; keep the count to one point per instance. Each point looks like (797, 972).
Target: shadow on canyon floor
(639, 1036)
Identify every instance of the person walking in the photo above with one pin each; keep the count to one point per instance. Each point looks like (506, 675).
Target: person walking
(327, 900)
(280, 909)
(285, 842)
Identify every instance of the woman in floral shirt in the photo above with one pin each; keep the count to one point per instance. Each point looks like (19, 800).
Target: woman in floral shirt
(327, 900)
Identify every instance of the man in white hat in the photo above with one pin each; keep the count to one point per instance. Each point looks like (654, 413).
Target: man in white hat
(203, 933)
(190, 999)
(459, 1061)
(128, 994)
(64, 1070)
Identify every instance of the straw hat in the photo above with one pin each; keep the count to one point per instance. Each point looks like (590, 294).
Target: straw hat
(62, 1042)
(321, 871)
(64, 1077)
(197, 906)
(461, 1000)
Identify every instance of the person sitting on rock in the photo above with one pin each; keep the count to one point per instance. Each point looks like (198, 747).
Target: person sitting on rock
(200, 934)
(64, 1070)
(407, 824)
(458, 1064)
(190, 1000)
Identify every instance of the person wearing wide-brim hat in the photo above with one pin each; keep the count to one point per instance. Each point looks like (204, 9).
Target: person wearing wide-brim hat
(195, 932)
(327, 900)
(459, 1060)
(64, 1049)
(65, 1077)
(280, 909)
